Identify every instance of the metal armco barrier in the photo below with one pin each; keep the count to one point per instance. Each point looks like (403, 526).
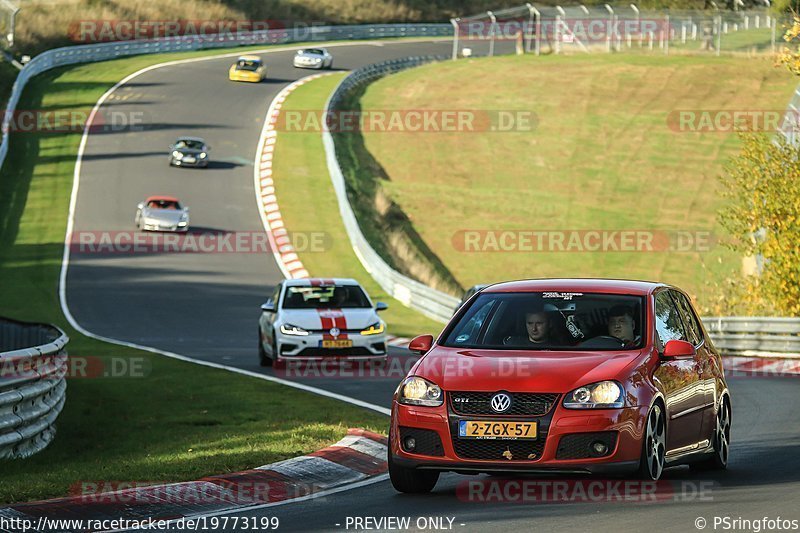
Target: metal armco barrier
(70, 55)
(755, 336)
(33, 364)
(430, 302)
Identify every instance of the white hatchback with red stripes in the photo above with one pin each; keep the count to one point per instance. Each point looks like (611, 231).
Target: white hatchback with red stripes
(320, 319)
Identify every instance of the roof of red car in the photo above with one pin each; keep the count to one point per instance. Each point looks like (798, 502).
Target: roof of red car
(164, 198)
(585, 285)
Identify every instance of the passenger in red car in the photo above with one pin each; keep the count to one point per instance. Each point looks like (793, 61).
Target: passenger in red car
(621, 324)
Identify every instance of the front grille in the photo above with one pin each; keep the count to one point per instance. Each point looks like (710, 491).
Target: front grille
(522, 403)
(427, 441)
(578, 445)
(493, 450)
(332, 352)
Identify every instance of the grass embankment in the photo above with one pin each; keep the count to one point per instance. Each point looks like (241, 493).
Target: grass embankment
(603, 156)
(41, 25)
(308, 202)
(181, 421)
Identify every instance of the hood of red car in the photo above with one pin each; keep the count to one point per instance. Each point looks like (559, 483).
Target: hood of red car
(518, 371)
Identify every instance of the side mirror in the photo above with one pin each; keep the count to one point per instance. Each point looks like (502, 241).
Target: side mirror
(268, 306)
(421, 344)
(677, 349)
(140, 205)
(380, 306)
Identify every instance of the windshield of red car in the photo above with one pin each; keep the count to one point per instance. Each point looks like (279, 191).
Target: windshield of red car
(549, 321)
(339, 297)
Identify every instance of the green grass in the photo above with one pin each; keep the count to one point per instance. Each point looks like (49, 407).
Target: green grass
(601, 157)
(181, 421)
(308, 203)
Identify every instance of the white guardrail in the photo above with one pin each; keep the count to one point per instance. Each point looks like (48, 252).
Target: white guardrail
(71, 55)
(756, 336)
(33, 365)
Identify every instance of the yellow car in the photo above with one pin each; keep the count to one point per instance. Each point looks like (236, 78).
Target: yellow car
(248, 68)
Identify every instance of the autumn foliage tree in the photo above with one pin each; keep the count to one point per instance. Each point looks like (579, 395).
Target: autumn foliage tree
(762, 215)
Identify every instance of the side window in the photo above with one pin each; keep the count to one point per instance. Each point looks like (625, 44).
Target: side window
(668, 322)
(276, 294)
(693, 330)
(468, 331)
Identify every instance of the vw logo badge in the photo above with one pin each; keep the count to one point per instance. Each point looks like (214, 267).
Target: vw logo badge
(500, 402)
(335, 332)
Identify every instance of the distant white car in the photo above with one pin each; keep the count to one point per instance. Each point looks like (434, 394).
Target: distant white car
(318, 58)
(320, 319)
(162, 213)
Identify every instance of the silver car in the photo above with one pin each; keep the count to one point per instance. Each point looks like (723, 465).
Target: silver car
(318, 58)
(162, 213)
(189, 152)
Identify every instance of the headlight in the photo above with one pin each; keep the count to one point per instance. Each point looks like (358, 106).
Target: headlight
(288, 329)
(177, 155)
(374, 329)
(419, 391)
(602, 395)
(203, 155)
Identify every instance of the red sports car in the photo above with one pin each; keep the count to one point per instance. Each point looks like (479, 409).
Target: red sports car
(562, 376)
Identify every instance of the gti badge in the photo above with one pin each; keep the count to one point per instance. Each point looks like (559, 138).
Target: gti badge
(500, 402)
(335, 332)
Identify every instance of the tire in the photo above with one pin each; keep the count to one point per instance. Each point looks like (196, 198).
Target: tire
(411, 480)
(263, 358)
(330, 65)
(721, 440)
(654, 445)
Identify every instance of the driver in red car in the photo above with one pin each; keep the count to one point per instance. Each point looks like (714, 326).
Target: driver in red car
(537, 328)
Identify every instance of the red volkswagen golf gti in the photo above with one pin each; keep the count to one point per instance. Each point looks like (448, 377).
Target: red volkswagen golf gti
(562, 376)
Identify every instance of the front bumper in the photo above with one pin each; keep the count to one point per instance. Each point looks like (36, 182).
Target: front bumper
(302, 64)
(152, 225)
(308, 347)
(196, 163)
(626, 424)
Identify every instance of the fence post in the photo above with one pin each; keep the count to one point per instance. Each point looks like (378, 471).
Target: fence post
(638, 25)
(669, 33)
(454, 22)
(491, 32)
(610, 26)
(774, 23)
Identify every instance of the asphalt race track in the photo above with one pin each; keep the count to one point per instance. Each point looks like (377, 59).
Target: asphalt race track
(206, 306)
(200, 305)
